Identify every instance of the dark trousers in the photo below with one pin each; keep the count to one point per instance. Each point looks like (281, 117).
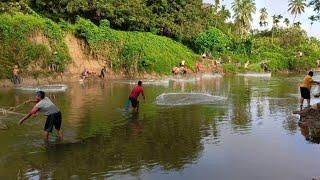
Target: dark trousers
(16, 79)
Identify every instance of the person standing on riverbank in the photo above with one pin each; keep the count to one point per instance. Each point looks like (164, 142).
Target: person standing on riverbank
(53, 114)
(103, 72)
(15, 73)
(136, 91)
(305, 88)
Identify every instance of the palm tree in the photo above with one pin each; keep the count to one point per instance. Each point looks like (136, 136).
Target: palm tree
(312, 19)
(276, 19)
(297, 24)
(216, 10)
(224, 13)
(243, 10)
(263, 17)
(286, 22)
(217, 3)
(296, 7)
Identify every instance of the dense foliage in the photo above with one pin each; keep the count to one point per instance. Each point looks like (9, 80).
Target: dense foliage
(133, 51)
(212, 40)
(166, 17)
(126, 33)
(16, 46)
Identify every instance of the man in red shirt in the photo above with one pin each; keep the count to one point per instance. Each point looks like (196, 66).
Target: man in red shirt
(134, 96)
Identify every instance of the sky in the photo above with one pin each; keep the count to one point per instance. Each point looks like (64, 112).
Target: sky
(279, 7)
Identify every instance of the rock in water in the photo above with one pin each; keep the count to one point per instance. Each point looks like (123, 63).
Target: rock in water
(310, 124)
(309, 114)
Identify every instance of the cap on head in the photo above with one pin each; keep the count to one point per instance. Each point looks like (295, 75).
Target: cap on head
(40, 94)
(139, 83)
(310, 73)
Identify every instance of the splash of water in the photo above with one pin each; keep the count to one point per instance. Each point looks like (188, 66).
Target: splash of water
(46, 88)
(147, 82)
(258, 75)
(185, 79)
(176, 99)
(211, 76)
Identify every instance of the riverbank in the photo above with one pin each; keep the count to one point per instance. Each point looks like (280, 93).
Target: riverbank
(42, 47)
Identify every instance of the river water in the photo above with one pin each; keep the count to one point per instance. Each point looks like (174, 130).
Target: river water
(249, 132)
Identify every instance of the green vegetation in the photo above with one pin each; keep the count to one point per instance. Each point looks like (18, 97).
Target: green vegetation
(130, 51)
(16, 47)
(129, 34)
(133, 51)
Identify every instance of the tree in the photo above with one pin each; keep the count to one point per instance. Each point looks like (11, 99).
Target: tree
(213, 40)
(316, 5)
(286, 21)
(215, 10)
(297, 24)
(217, 3)
(276, 19)
(296, 7)
(312, 19)
(263, 17)
(171, 18)
(243, 10)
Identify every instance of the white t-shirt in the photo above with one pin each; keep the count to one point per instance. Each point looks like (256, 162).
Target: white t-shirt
(47, 107)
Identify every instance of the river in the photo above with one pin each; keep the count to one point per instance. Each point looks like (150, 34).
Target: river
(248, 133)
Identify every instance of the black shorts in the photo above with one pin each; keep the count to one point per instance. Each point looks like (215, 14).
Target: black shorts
(134, 102)
(53, 120)
(305, 93)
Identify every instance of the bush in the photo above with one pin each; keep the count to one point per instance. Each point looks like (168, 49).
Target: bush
(16, 48)
(134, 51)
(212, 40)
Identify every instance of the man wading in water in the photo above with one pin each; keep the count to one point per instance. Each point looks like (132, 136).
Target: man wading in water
(53, 114)
(305, 88)
(134, 96)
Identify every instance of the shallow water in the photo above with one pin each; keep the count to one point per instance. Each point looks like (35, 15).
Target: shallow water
(251, 134)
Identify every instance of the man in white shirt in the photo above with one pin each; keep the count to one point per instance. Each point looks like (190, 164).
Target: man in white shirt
(45, 106)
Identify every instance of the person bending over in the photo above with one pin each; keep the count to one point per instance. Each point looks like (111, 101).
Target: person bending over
(305, 88)
(53, 114)
(136, 91)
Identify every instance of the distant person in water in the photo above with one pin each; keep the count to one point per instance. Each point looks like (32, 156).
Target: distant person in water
(16, 76)
(85, 74)
(305, 88)
(136, 91)
(53, 114)
(103, 72)
(198, 68)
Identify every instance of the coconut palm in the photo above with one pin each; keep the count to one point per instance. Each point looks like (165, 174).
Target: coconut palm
(297, 24)
(224, 13)
(243, 10)
(217, 3)
(296, 7)
(286, 22)
(263, 17)
(276, 19)
(312, 19)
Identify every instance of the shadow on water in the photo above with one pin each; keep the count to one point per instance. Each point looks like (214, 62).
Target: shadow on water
(104, 139)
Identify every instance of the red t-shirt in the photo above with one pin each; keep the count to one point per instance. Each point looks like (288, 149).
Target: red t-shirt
(136, 92)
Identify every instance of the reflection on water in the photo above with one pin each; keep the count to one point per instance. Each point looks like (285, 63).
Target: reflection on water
(252, 134)
(311, 131)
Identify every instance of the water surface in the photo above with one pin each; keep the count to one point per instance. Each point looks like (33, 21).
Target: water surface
(250, 133)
